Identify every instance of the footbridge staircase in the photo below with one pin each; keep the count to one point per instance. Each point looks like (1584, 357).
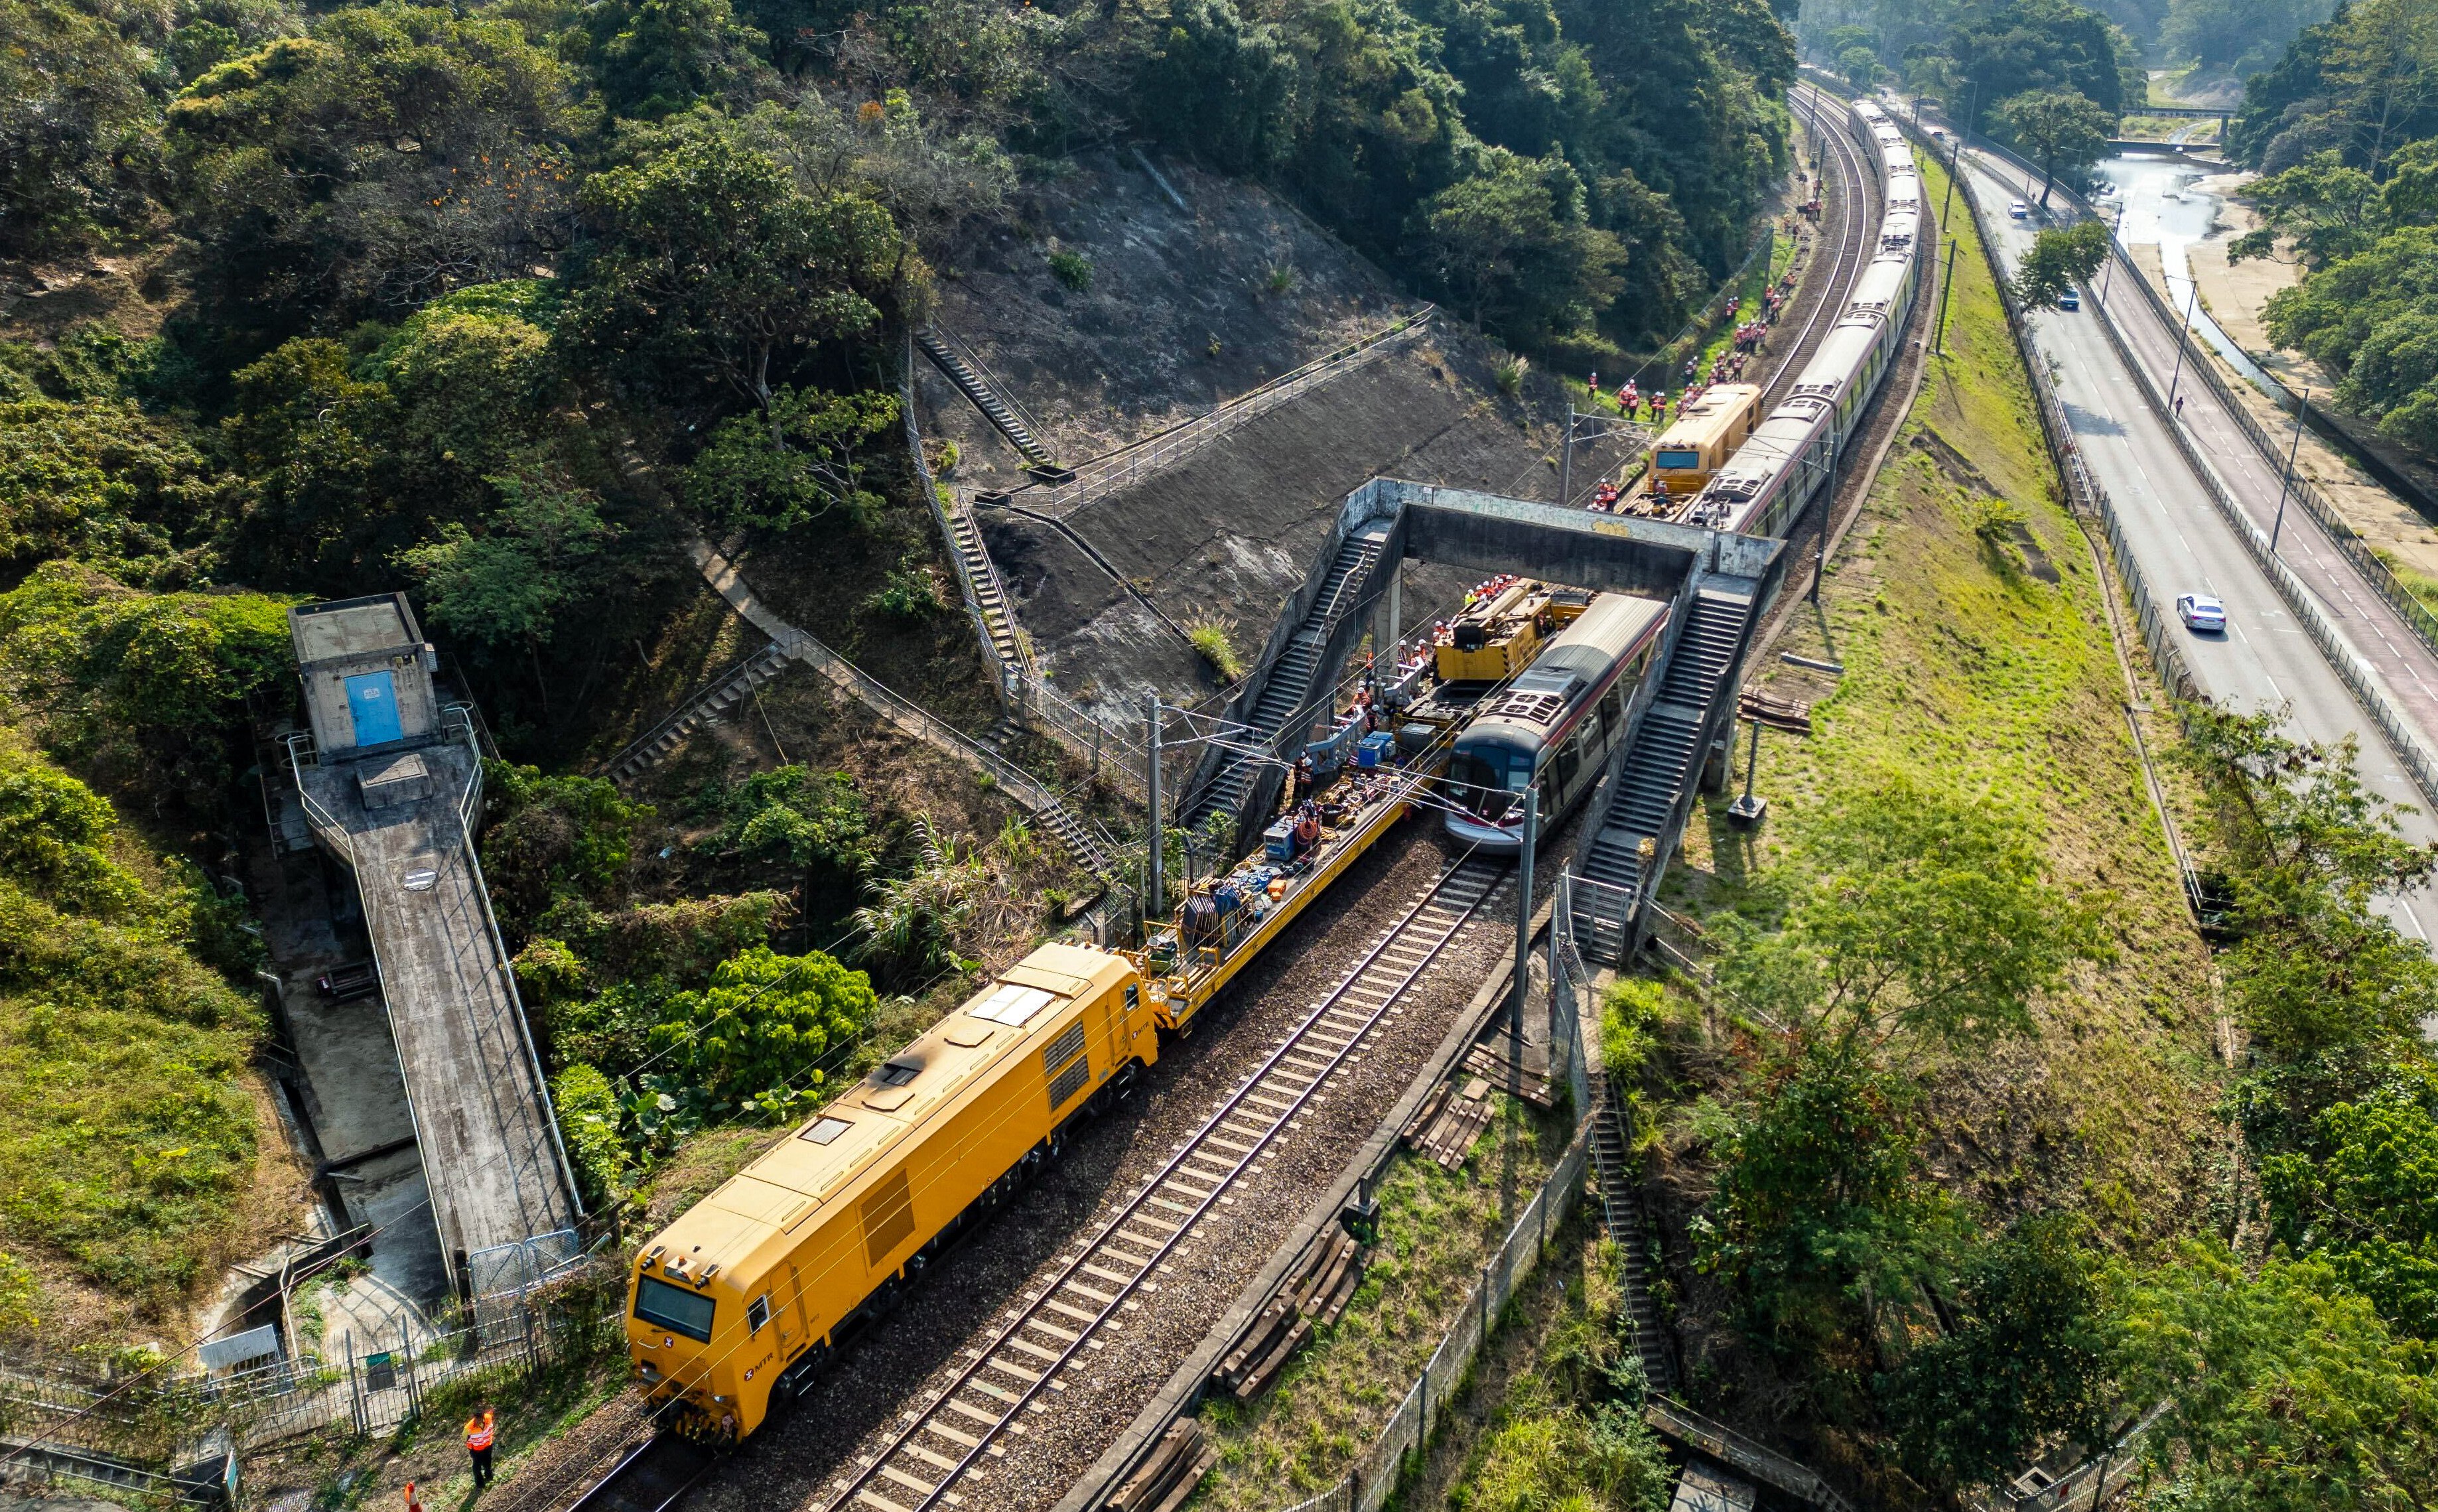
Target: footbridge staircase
(1293, 684)
(965, 370)
(1637, 814)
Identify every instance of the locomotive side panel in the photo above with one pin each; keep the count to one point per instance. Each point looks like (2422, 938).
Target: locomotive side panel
(766, 1269)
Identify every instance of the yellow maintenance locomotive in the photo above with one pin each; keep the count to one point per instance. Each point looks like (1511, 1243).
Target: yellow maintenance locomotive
(739, 1301)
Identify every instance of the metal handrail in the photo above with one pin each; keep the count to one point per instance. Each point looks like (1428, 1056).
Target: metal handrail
(297, 743)
(687, 708)
(1000, 389)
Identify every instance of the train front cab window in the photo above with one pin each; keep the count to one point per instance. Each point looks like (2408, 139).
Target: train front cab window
(1484, 775)
(678, 1309)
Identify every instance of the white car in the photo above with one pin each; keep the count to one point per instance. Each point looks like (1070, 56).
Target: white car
(2200, 612)
(2018, 209)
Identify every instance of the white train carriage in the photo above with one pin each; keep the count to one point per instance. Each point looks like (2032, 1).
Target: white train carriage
(1765, 486)
(1552, 729)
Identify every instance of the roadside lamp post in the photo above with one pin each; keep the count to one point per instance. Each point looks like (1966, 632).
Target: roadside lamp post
(2182, 333)
(2107, 280)
(2287, 481)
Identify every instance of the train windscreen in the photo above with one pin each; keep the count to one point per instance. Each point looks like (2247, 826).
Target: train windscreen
(1485, 778)
(675, 1308)
(1674, 458)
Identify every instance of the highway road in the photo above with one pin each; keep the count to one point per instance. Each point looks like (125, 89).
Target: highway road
(2183, 544)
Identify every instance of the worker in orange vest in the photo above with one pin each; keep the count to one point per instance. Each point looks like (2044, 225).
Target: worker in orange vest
(479, 1433)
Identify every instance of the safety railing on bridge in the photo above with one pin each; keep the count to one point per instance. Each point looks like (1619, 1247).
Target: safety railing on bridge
(301, 754)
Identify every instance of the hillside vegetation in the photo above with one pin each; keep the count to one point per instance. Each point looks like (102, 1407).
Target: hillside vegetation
(502, 303)
(130, 1131)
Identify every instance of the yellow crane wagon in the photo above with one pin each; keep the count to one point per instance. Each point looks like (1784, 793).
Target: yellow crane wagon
(735, 1306)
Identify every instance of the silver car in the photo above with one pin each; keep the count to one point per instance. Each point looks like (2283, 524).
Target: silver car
(2201, 613)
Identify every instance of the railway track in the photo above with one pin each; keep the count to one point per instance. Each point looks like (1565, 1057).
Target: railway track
(1859, 222)
(648, 1478)
(945, 1444)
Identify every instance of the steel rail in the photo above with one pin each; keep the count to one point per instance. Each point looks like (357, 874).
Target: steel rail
(648, 1478)
(1404, 965)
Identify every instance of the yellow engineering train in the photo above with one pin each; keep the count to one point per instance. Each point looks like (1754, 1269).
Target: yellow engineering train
(1706, 434)
(740, 1303)
(736, 1305)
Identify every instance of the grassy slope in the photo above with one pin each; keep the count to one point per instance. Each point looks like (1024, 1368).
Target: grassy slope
(138, 1153)
(1962, 662)
(1437, 1229)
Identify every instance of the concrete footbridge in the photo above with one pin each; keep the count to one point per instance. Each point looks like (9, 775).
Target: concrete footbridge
(1678, 721)
(392, 783)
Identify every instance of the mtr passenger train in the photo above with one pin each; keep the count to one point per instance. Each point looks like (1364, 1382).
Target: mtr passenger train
(1765, 486)
(1554, 727)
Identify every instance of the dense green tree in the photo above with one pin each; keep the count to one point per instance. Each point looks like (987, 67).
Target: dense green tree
(394, 154)
(2364, 1197)
(2061, 257)
(1818, 1215)
(2373, 317)
(799, 817)
(478, 389)
(128, 1138)
(2002, 48)
(2321, 209)
(1512, 244)
(76, 111)
(2284, 1392)
(2318, 973)
(312, 436)
(765, 1022)
(2059, 127)
(2362, 84)
(2028, 1359)
(653, 58)
(552, 837)
(1223, 84)
(507, 587)
(2235, 36)
(708, 261)
(803, 456)
(107, 484)
(587, 1107)
(146, 693)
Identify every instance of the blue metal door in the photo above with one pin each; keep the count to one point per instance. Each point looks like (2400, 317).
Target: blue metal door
(372, 700)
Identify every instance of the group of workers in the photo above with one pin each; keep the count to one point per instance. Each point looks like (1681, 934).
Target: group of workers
(1630, 400)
